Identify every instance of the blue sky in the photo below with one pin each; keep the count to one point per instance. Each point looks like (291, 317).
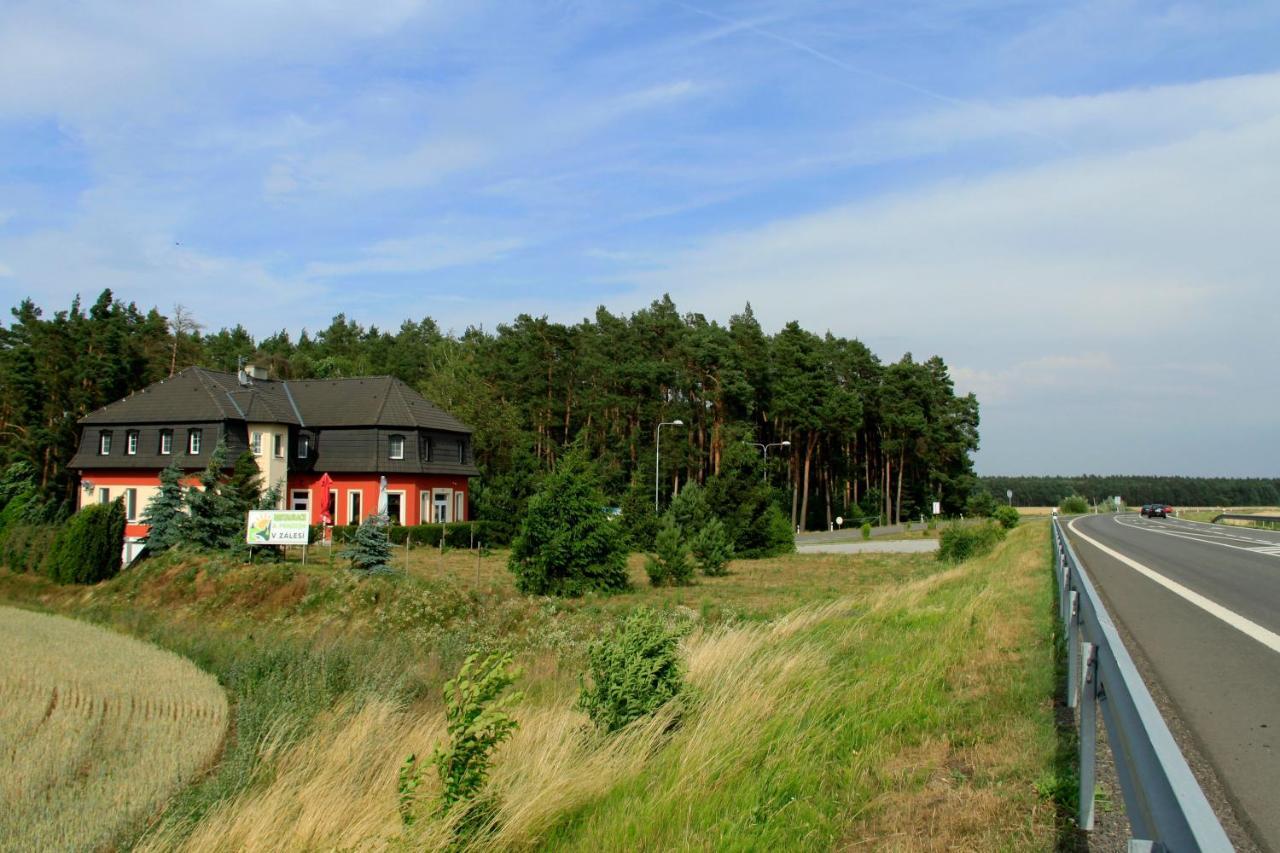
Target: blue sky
(1074, 204)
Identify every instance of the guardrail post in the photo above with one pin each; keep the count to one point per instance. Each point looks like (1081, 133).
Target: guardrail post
(1073, 651)
(1088, 731)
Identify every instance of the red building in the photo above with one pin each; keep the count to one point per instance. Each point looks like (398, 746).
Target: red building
(355, 430)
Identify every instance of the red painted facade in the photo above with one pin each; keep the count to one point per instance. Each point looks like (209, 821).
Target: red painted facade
(411, 488)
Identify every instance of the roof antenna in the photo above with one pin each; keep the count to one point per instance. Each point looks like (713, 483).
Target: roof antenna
(242, 375)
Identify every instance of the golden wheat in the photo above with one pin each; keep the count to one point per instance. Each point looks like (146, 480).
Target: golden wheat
(96, 731)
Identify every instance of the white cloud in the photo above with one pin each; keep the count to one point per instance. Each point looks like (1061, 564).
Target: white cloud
(417, 254)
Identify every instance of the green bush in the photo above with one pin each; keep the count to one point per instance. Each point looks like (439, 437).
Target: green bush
(25, 547)
(477, 721)
(866, 530)
(712, 548)
(962, 542)
(1073, 505)
(981, 504)
(670, 564)
(1007, 516)
(567, 544)
(89, 546)
(633, 671)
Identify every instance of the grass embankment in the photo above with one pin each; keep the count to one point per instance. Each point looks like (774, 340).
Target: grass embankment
(98, 731)
(839, 701)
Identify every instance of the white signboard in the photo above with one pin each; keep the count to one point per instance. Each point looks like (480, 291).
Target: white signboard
(937, 507)
(278, 527)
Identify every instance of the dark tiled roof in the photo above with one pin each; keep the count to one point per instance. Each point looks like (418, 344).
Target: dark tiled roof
(370, 401)
(197, 394)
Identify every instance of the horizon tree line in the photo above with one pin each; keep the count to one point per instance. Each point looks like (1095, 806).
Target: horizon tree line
(867, 438)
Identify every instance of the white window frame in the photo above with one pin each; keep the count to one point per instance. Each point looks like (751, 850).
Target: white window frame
(131, 504)
(166, 442)
(277, 445)
(255, 443)
(195, 440)
(391, 447)
(104, 495)
(462, 451)
(447, 503)
(333, 506)
(293, 497)
(104, 443)
(304, 446)
(355, 496)
(404, 498)
(459, 505)
(131, 442)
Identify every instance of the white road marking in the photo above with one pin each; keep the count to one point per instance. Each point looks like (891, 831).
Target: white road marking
(1249, 628)
(1197, 537)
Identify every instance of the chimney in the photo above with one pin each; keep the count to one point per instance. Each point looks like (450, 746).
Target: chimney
(256, 372)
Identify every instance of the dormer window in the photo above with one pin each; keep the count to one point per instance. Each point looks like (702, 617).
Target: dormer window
(426, 448)
(304, 446)
(166, 442)
(131, 442)
(193, 442)
(462, 451)
(104, 444)
(396, 446)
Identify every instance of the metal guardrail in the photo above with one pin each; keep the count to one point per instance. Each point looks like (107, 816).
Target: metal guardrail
(1167, 811)
(1244, 516)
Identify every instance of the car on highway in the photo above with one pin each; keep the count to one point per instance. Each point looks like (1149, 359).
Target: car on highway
(1146, 508)
(1159, 511)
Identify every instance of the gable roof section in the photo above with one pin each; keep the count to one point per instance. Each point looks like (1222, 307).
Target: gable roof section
(197, 394)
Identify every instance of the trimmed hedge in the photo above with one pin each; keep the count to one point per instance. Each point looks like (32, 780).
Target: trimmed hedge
(89, 546)
(457, 534)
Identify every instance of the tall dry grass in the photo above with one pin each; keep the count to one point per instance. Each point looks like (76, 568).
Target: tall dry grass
(864, 722)
(97, 731)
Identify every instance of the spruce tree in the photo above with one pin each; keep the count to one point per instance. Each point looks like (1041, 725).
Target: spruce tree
(369, 548)
(165, 513)
(244, 489)
(216, 521)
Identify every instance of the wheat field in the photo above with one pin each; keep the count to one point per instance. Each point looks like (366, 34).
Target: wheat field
(97, 730)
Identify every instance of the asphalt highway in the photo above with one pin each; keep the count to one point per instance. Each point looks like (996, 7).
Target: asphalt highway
(1200, 605)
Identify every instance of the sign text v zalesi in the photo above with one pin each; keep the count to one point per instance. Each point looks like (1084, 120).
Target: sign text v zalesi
(278, 527)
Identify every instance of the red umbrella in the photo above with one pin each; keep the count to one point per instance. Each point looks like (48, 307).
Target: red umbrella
(326, 510)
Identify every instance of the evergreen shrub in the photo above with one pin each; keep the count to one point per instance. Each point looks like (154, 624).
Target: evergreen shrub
(567, 544)
(368, 549)
(633, 671)
(670, 563)
(866, 530)
(712, 548)
(89, 547)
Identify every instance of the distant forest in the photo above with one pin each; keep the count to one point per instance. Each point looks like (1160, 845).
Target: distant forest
(866, 438)
(1136, 490)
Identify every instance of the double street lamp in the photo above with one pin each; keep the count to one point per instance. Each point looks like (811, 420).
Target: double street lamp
(657, 446)
(766, 447)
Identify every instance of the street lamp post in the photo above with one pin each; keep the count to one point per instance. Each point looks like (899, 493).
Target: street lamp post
(766, 447)
(657, 447)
